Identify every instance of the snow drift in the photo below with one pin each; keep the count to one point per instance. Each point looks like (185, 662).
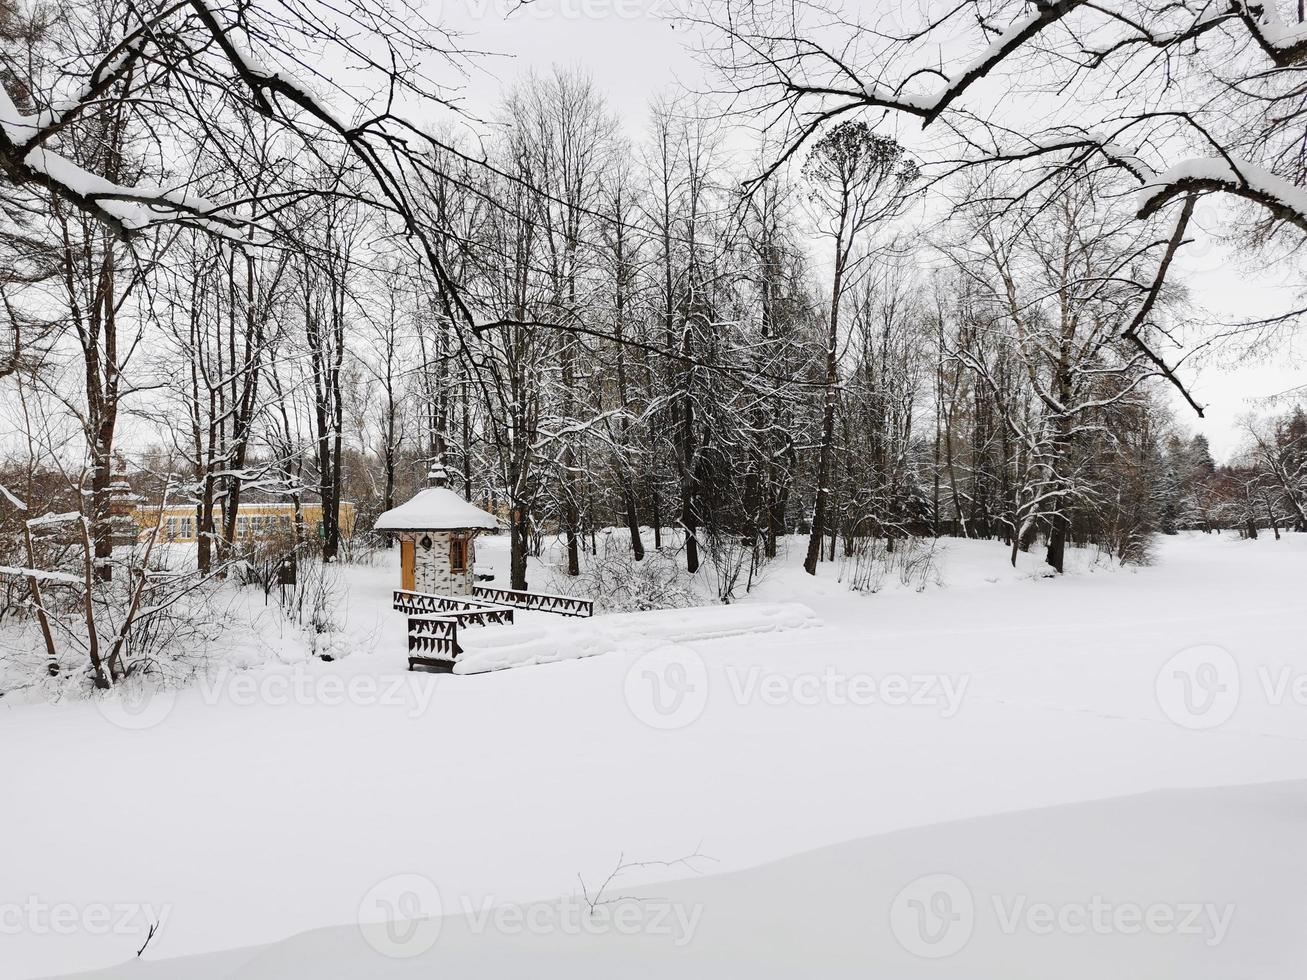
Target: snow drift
(498, 647)
(1132, 887)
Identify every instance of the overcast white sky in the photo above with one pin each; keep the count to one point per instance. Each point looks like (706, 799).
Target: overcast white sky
(634, 49)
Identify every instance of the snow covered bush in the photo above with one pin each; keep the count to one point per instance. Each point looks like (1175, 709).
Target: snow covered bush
(616, 582)
(735, 564)
(1131, 544)
(149, 620)
(169, 640)
(873, 562)
(264, 560)
(312, 599)
(360, 549)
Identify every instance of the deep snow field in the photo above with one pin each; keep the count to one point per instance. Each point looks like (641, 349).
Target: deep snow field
(1004, 776)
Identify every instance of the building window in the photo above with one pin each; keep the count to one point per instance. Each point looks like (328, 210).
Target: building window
(457, 553)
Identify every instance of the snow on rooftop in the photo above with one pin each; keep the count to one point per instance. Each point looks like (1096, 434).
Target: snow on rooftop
(436, 509)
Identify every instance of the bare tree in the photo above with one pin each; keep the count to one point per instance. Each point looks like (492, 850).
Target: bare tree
(858, 181)
(1058, 287)
(1231, 74)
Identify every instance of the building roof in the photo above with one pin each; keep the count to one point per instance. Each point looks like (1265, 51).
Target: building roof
(436, 509)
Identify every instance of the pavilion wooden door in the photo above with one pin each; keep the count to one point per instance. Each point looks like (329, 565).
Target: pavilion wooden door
(408, 566)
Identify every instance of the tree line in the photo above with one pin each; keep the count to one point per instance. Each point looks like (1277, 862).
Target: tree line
(603, 329)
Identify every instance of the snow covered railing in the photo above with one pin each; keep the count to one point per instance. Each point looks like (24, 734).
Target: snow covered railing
(433, 625)
(422, 603)
(432, 644)
(486, 616)
(433, 640)
(433, 620)
(562, 604)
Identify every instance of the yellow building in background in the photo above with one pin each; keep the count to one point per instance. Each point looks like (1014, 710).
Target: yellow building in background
(253, 520)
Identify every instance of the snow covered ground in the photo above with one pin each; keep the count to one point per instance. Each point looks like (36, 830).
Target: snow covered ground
(1008, 776)
(517, 645)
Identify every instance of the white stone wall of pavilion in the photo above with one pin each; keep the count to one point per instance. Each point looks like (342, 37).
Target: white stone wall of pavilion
(432, 573)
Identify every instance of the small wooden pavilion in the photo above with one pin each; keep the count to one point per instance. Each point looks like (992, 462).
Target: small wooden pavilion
(437, 531)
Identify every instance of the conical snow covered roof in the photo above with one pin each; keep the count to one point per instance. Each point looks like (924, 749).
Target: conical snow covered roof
(436, 509)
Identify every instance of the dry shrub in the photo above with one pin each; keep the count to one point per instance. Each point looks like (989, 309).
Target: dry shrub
(616, 582)
(873, 563)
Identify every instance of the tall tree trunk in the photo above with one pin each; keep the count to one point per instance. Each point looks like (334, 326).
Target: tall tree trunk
(1056, 555)
(689, 519)
(519, 545)
(628, 477)
(824, 459)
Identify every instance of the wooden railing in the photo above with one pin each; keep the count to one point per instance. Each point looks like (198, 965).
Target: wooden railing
(564, 605)
(489, 616)
(433, 625)
(432, 643)
(425, 603)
